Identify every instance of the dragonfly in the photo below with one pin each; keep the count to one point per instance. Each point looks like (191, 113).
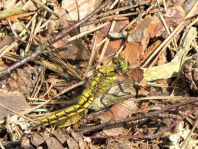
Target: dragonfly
(101, 81)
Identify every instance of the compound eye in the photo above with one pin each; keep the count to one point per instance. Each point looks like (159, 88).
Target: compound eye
(121, 63)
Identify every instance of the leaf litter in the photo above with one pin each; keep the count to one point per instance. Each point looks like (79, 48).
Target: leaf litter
(152, 105)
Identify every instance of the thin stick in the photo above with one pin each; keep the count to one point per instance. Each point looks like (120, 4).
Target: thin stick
(150, 136)
(139, 117)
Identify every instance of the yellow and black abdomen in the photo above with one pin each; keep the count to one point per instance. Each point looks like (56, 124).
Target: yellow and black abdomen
(100, 83)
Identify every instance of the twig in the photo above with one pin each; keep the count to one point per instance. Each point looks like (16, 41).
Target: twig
(39, 50)
(87, 32)
(150, 136)
(159, 134)
(110, 12)
(139, 117)
(112, 17)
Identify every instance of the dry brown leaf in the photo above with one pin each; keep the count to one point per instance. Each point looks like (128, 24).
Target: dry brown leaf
(133, 53)
(113, 45)
(52, 143)
(23, 80)
(83, 6)
(119, 144)
(119, 111)
(7, 40)
(151, 48)
(78, 9)
(61, 136)
(134, 75)
(139, 37)
(150, 27)
(72, 143)
(37, 140)
(10, 100)
(78, 138)
(60, 22)
(25, 143)
(175, 15)
(72, 52)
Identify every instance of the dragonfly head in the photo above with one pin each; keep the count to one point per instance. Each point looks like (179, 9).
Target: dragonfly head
(121, 63)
